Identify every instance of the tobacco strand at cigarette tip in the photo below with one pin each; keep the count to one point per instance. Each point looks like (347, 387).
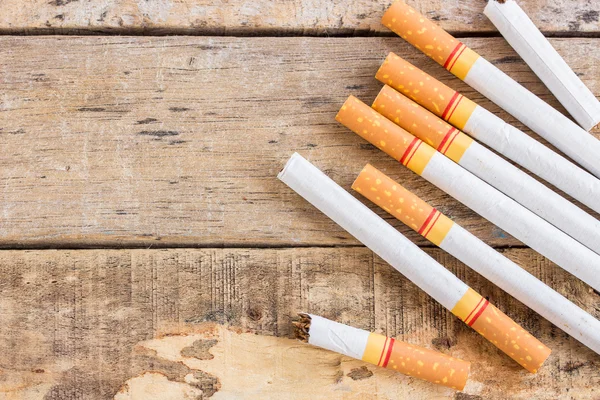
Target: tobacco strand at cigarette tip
(302, 327)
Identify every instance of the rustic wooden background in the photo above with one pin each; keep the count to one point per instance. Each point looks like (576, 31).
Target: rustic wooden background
(149, 252)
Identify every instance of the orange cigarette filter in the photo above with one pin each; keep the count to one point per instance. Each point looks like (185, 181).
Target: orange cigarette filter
(437, 133)
(385, 135)
(432, 40)
(472, 309)
(416, 361)
(432, 94)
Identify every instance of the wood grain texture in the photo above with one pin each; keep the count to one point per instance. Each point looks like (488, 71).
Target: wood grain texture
(214, 323)
(306, 17)
(125, 141)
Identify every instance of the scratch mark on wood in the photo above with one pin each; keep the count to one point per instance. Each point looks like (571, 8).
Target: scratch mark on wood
(158, 134)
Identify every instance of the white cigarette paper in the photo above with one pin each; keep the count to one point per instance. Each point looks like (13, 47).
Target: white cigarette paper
(490, 81)
(493, 169)
(515, 219)
(460, 243)
(527, 40)
(389, 244)
(486, 127)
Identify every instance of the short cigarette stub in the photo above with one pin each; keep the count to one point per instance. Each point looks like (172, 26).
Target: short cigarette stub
(408, 359)
(438, 98)
(409, 115)
(385, 135)
(426, 36)
(473, 309)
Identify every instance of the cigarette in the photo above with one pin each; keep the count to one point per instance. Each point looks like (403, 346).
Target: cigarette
(491, 168)
(527, 40)
(494, 84)
(389, 244)
(451, 237)
(484, 126)
(408, 359)
(476, 194)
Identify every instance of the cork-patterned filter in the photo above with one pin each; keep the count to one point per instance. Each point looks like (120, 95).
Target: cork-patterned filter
(502, 331)
(385, 135)
(416, 361)
(434, 131)
(402, 204)
(424, 89)
(432, 40)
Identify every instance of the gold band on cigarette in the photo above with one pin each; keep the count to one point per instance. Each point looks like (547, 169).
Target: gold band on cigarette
(430, 39)
(407, 114)
(472, 308)
(432, 94)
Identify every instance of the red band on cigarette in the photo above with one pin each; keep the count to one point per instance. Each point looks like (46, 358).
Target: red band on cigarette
(445, 139)
(452, 55)
(457, 57)
(389, 353)
(410, 151)
(427, 221)
(450, 106)
(479, 313)
(383, 351)
(432, 224)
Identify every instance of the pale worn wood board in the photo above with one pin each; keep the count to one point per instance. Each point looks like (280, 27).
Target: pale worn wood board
(301, 17)
(129, 141)
(214, 323)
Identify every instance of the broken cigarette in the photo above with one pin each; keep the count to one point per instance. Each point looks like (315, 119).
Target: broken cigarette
(451, 237)
(527, 40)
(486, 127)
(493, 169)
(389, 244)
(494, 84)
(476, 194)
(408, 359)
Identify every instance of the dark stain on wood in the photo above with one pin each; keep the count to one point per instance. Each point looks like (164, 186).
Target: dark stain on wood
(61, 2)
(176, 142)
(60, 17)
(355, 87)
(317, 101)
(572, 366)
(358, 374)
(91, 109)
(464, 396)
(158, 134)
(199, 349)
(589, 16)
(443, 342)
(178, 109)
(209, 384)
(146, 121)
(507, 60)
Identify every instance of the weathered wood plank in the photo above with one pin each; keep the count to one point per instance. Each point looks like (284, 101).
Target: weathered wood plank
(123, 141)
(276, 16)
(92, 324)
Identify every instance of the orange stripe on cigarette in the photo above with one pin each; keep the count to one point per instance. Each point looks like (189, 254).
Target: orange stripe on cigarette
(442, 148)
(450, 106)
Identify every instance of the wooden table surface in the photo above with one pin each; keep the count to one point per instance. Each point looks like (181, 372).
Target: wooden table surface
(148, 250)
